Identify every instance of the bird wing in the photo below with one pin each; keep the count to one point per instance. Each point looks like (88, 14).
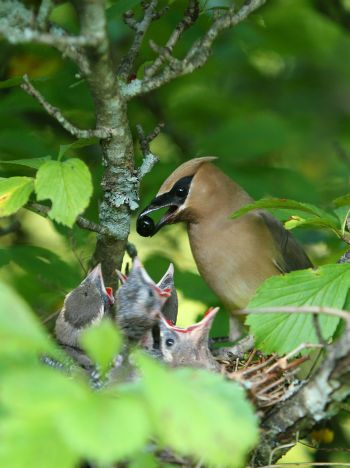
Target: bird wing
(293, 256)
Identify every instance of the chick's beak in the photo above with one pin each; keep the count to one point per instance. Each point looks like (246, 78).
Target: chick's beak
(95, 277)
(145, 225)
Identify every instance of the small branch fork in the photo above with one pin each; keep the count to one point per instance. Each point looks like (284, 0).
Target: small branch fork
(195, 57)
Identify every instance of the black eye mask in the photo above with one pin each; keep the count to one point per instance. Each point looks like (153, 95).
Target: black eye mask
(173, 199)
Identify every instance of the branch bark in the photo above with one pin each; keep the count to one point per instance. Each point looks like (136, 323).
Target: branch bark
(119, 182)
(196, 56)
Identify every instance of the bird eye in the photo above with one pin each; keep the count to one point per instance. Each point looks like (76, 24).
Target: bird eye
(181, 191)
(169, 342)
(150, 293)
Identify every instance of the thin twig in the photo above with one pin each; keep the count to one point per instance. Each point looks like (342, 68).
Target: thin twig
(283, 465)
(149, 159)
(43, 14)
(140, 29)
(54, 38)
(298, 310)
(190, 16)
(197, 55)
(28, 87)
(50, 317)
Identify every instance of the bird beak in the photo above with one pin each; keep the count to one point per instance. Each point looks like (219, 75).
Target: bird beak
(95, 276)
(162, 201)
(199, 328)
(168, 278)
(109, 292)
(164, 293)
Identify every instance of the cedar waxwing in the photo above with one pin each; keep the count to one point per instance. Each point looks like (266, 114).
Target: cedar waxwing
(188, 346)
(139, 302)
(234, 256)
(86, 305)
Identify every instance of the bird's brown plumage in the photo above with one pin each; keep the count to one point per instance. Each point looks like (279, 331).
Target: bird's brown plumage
(234, 256)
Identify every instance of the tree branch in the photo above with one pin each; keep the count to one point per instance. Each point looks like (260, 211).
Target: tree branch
(190, 16)
(196, 56)
(149, 159)
(54, 38)
(298, 310)
(140, 29)
(56, 114)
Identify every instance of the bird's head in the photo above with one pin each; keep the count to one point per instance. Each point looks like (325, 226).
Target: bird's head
(188, 346)
(90, 300)
(185, 192)
(85, 305)
(139, 298)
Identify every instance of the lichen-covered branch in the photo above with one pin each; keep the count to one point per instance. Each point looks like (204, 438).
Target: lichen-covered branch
(196, 56)
(119, 182)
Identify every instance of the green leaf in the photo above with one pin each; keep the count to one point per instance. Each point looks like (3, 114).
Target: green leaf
(35, 163)
(14, 193)
(81, 143)
(198, 413)
(107, 428)
(102, 343)
(33, 442)
(68, 185)
(281, 333)
(11, 82)
(324, 219)
(19, 329)
(342, 201)
(298, 221)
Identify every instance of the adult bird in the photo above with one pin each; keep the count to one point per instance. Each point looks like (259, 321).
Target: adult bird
(234, 256)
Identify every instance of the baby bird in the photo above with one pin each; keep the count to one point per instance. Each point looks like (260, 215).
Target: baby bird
(139, 302)
(86, 305)
(188, 346)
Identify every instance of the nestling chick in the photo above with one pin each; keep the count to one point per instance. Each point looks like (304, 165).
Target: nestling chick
(188, 346)
(233, 256)
(166, 283)
(138, 303)
(84, 306)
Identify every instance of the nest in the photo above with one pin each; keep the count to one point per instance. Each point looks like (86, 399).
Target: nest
(268, 379)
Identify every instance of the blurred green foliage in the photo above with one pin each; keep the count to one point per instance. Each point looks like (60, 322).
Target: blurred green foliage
(47, 419)
(272, 102)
